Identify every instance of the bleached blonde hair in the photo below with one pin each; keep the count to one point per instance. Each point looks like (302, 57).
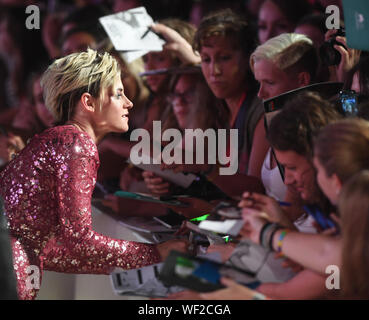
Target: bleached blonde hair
(67, 78)
(287, 50)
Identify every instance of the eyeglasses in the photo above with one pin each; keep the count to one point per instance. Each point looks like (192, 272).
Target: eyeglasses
(186, 97)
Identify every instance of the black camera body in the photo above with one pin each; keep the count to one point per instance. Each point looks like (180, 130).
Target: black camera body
(329, 56)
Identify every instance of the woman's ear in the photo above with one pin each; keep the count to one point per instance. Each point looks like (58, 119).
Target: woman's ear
(337, 184)
(88, 102)
(304, 79)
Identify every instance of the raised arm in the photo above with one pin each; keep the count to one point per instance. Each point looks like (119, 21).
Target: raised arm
(313, 251)
(177, 44)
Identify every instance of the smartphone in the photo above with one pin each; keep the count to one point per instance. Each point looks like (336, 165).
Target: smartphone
(349, 103)
(200, 274)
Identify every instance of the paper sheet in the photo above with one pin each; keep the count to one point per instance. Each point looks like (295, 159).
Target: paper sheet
(125, 30)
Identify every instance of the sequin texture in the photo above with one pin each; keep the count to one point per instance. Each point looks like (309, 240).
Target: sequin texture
(47, 192)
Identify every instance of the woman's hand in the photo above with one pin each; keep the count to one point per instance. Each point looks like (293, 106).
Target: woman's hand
(254, 222)
(349, 57)
(157, 185)
(268, 205)
(177, 44)
(128, 176)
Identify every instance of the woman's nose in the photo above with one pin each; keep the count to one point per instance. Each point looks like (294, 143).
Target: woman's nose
(128, 104)
(215, 68)
(261, 93)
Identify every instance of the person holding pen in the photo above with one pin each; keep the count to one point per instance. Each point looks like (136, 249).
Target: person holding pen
(341, 151)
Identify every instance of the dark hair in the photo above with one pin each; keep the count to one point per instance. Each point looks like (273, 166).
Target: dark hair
(86, 16)
(363, 109)
(315, 19)
(294, 10)
(300, 120)
(86, 19)
(229, 24)
(207, 111)
(363, 68)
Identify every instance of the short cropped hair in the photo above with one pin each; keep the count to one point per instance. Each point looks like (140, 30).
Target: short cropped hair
(67, 78)
(228, 24)
(290, 52)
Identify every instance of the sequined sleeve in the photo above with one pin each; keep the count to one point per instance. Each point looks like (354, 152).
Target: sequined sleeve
(86, 250)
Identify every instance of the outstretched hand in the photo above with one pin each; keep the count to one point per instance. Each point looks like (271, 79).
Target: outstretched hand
(177, 44)
(269, 206)
(254, 222)
(157, 185)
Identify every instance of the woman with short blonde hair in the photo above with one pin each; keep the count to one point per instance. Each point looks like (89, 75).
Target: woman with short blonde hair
(290, 52)
(68, 77)
(47, 188)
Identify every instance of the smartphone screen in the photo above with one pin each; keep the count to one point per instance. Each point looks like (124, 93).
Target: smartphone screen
(349, 103)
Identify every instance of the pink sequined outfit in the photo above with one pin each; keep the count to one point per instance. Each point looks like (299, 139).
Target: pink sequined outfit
(47, 192)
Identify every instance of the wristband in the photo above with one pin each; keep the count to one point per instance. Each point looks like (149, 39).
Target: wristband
(265, 226)
(280, 240)
(266, 235)
(270, 242)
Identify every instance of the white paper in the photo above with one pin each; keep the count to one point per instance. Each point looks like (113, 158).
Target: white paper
(231, 227)
(125, 30)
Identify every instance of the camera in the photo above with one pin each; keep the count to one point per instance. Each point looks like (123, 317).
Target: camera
(328, 54)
